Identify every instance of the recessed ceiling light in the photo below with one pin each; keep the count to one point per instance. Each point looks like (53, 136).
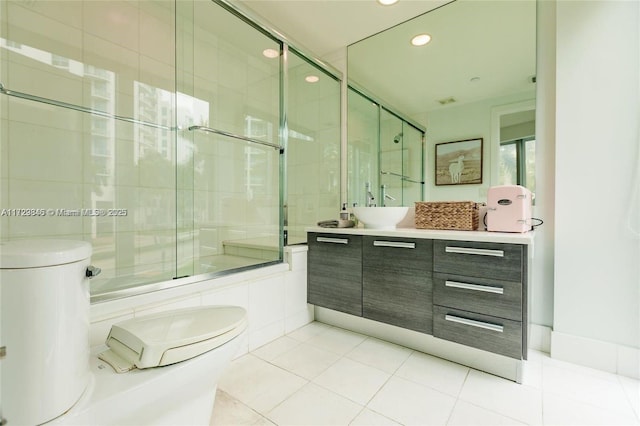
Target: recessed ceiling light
(312, 79)
(387, 2)
(270, 53)
(421, 39)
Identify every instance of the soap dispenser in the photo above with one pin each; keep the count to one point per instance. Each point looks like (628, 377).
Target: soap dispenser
(344, 214)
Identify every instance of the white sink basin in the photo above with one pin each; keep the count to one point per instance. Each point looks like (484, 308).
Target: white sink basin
(380, 217)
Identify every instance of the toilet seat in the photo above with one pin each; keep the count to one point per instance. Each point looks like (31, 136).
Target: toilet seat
(169, 337)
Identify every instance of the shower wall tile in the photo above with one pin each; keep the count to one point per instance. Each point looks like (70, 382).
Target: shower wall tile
(63, 11)
(124, 250)
(44, 153)
(107, 56)
(4, 203)
(155, 208)
(154, 171)
(45, 81)
(3, 19)
(205, 58)
(4, 146)
(114, 56)
(44, 195)
(116, 21)
(41, 35)
(36, 113)
(157, 30)
(185, 37)
(229, 111)
(157, 74)
(232, 68)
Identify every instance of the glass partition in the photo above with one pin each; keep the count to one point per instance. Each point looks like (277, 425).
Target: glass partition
(228, 102)
(154, 131)
(313, 146)
(362, 149)
(385, 155)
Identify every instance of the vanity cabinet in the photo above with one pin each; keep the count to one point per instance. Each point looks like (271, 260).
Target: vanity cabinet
(397, 281)
(334, 272)
(472, 293)
(479, 295)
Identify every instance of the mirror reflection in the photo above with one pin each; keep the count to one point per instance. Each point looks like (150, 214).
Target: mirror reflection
(475, 78)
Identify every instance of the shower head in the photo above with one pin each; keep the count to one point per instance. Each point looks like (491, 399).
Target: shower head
(397, 138)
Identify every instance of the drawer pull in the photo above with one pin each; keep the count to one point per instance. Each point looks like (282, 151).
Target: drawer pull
(398, 244)
(474, 323)
(475, 287)
(469, 250)
(332, 240)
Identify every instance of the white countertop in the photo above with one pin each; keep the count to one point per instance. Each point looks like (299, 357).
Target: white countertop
(482, 236)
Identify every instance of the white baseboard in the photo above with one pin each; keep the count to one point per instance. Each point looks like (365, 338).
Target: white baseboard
(540, 338)
(617, 359)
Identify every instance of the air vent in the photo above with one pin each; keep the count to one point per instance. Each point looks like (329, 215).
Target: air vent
(446, 101)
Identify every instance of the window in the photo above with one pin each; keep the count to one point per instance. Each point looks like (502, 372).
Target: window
(517, 163)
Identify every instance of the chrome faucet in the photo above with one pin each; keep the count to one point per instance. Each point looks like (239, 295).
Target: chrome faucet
(386, 196)
(369, 196)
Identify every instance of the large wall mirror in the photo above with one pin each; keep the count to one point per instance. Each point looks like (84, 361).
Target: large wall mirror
(475, 79)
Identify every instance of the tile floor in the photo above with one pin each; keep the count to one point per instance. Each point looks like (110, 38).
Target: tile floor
(322, 375)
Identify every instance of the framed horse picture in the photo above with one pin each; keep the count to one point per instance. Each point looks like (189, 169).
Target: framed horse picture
(459, 162)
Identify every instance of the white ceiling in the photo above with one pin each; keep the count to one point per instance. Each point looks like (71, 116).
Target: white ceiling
(490, 39)
(324, 26)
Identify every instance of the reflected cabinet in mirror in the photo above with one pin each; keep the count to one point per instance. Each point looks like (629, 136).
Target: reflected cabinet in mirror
(474, 79)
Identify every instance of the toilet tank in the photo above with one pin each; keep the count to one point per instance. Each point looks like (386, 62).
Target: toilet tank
(44, 315)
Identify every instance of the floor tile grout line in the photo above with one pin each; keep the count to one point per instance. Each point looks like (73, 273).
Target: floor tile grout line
(341, 356)
(636, 410)
(590, 376)
(236, 400)
(542, 389)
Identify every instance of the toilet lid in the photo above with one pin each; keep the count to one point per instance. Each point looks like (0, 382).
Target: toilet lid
(172, 336)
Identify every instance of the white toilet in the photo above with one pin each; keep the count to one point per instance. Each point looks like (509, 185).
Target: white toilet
(169, 363)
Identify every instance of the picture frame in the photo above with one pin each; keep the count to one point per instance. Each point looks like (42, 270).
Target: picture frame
(459, 162)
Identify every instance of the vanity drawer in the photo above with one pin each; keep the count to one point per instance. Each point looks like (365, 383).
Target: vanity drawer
(483, 295)
(479, 259)
(497, 335)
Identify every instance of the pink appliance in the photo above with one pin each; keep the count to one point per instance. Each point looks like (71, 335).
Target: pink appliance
(509, 208)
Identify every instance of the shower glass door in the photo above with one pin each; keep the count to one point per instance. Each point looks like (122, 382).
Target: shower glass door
(228, 106)
(390, 159)
(385, 153)
(313, 146)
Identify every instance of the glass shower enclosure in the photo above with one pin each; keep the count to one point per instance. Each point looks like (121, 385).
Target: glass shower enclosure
(385, 155)
(157, 131)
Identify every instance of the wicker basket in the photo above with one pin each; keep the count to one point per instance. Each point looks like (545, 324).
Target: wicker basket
(459, 215)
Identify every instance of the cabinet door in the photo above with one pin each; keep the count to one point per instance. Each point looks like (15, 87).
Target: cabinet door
(334, 272)
(397, 282)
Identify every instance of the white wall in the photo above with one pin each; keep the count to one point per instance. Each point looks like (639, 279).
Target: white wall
(597, 251)
(468, 121)
(542, 290)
